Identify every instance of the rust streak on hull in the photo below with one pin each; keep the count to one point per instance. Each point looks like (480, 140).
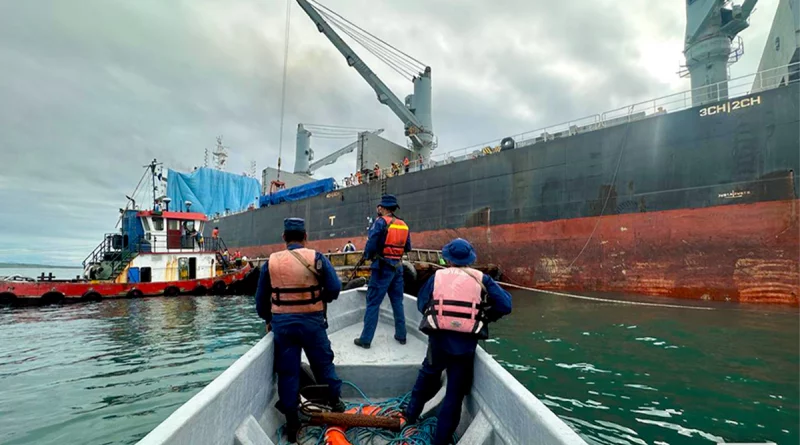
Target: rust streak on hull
(746, 253)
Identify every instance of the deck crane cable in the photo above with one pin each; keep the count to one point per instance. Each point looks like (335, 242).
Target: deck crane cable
(283, 82)
(382, 54)
(334, 132)
(392, 60)
(336, 127)
(411, 60)
(398, 60)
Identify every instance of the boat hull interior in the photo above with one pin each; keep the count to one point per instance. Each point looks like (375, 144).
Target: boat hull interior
(238, 407)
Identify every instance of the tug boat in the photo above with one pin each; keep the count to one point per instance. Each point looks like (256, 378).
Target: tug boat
(154, 253)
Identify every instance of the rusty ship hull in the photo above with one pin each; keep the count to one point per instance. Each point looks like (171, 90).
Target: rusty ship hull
(700, 203)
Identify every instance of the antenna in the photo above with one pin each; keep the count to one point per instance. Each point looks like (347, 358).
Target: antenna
(220, 155)
(152, 167)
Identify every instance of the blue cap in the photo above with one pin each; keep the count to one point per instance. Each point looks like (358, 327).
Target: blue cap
(459, 252)
(388, 201)
(294, 224)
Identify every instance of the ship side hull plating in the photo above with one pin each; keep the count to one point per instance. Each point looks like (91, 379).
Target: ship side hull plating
(700, 203)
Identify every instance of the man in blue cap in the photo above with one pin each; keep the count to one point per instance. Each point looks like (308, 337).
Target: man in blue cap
(293, 288)
(387, 241)
(457, 304)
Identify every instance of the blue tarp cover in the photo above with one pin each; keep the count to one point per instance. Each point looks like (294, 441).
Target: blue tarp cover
(297, 193)
(211, 191)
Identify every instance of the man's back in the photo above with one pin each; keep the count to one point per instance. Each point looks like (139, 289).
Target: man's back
(457, 343)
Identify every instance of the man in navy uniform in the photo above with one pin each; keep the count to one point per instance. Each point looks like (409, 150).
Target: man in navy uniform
(388, 239)
(293, 288)
(457, 303)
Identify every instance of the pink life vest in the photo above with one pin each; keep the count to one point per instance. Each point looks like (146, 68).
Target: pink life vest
(457, 303)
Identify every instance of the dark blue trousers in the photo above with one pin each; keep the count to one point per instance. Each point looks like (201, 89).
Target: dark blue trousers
(294, 333)
(459, 382)
(384, 279)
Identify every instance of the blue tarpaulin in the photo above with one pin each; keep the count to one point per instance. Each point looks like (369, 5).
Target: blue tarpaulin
(211, 191)
(297, 193)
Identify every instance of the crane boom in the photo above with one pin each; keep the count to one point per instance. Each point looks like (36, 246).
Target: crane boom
(420, 134)
(331, 158)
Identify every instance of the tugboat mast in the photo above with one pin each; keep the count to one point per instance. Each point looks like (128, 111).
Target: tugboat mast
(152, 166)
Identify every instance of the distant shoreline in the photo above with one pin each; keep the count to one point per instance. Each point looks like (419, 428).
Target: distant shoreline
(34, 266)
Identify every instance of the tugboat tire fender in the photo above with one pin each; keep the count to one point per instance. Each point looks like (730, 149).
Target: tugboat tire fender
(91, 296)
(171, 291)
(52, 297)
(218, 288)
(7, 298)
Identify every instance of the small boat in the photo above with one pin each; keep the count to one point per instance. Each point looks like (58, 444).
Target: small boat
(155, 252)
(418, 266)
(238, 407)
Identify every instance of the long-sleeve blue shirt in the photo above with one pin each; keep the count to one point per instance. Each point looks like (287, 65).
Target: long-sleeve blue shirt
(331, 286)
(376, 241)
(457, 343)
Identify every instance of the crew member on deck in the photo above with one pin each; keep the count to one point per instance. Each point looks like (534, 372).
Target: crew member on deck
(294, 287)
(456, 303)
(215, 239)
(389, 239)
(349, 247)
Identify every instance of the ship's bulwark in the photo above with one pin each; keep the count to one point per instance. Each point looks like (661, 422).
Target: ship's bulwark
(702, 206)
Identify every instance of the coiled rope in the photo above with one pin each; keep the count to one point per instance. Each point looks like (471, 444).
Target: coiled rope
(420, 433)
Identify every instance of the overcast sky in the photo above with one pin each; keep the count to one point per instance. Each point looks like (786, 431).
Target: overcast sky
(92, 90)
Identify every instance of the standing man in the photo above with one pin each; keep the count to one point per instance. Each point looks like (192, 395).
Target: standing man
(349, 247)
(215, 238)
(456, 303)
(294, 286)
(388, 240)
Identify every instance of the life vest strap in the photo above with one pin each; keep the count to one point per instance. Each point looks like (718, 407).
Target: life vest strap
(314, 290)
(454, 303)
(455, 314)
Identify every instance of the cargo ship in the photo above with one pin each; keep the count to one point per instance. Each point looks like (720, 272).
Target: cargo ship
(693, 195)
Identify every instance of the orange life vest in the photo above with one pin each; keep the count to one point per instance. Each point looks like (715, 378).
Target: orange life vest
(295, 289)
(457, 302)
(396, 237)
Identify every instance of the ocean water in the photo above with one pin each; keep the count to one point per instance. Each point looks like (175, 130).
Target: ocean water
(109, 372)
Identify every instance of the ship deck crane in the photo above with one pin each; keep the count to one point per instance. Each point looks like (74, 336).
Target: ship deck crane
(415, 112)
(304, 154)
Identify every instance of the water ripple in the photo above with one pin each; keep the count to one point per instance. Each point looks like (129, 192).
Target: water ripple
(112, 371)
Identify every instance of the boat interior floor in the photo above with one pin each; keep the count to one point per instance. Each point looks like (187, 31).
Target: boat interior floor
(387, 370)
(383, 350)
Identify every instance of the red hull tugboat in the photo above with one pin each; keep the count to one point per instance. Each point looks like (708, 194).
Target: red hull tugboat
(155, 253)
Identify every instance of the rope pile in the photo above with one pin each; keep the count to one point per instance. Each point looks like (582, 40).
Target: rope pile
(421, 433)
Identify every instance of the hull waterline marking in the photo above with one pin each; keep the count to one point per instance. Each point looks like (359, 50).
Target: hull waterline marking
(730, 106)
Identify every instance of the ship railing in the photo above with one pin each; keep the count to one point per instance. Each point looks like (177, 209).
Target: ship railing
(731, 89)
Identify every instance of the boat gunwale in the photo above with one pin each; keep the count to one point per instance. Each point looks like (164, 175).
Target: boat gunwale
(526, 414)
